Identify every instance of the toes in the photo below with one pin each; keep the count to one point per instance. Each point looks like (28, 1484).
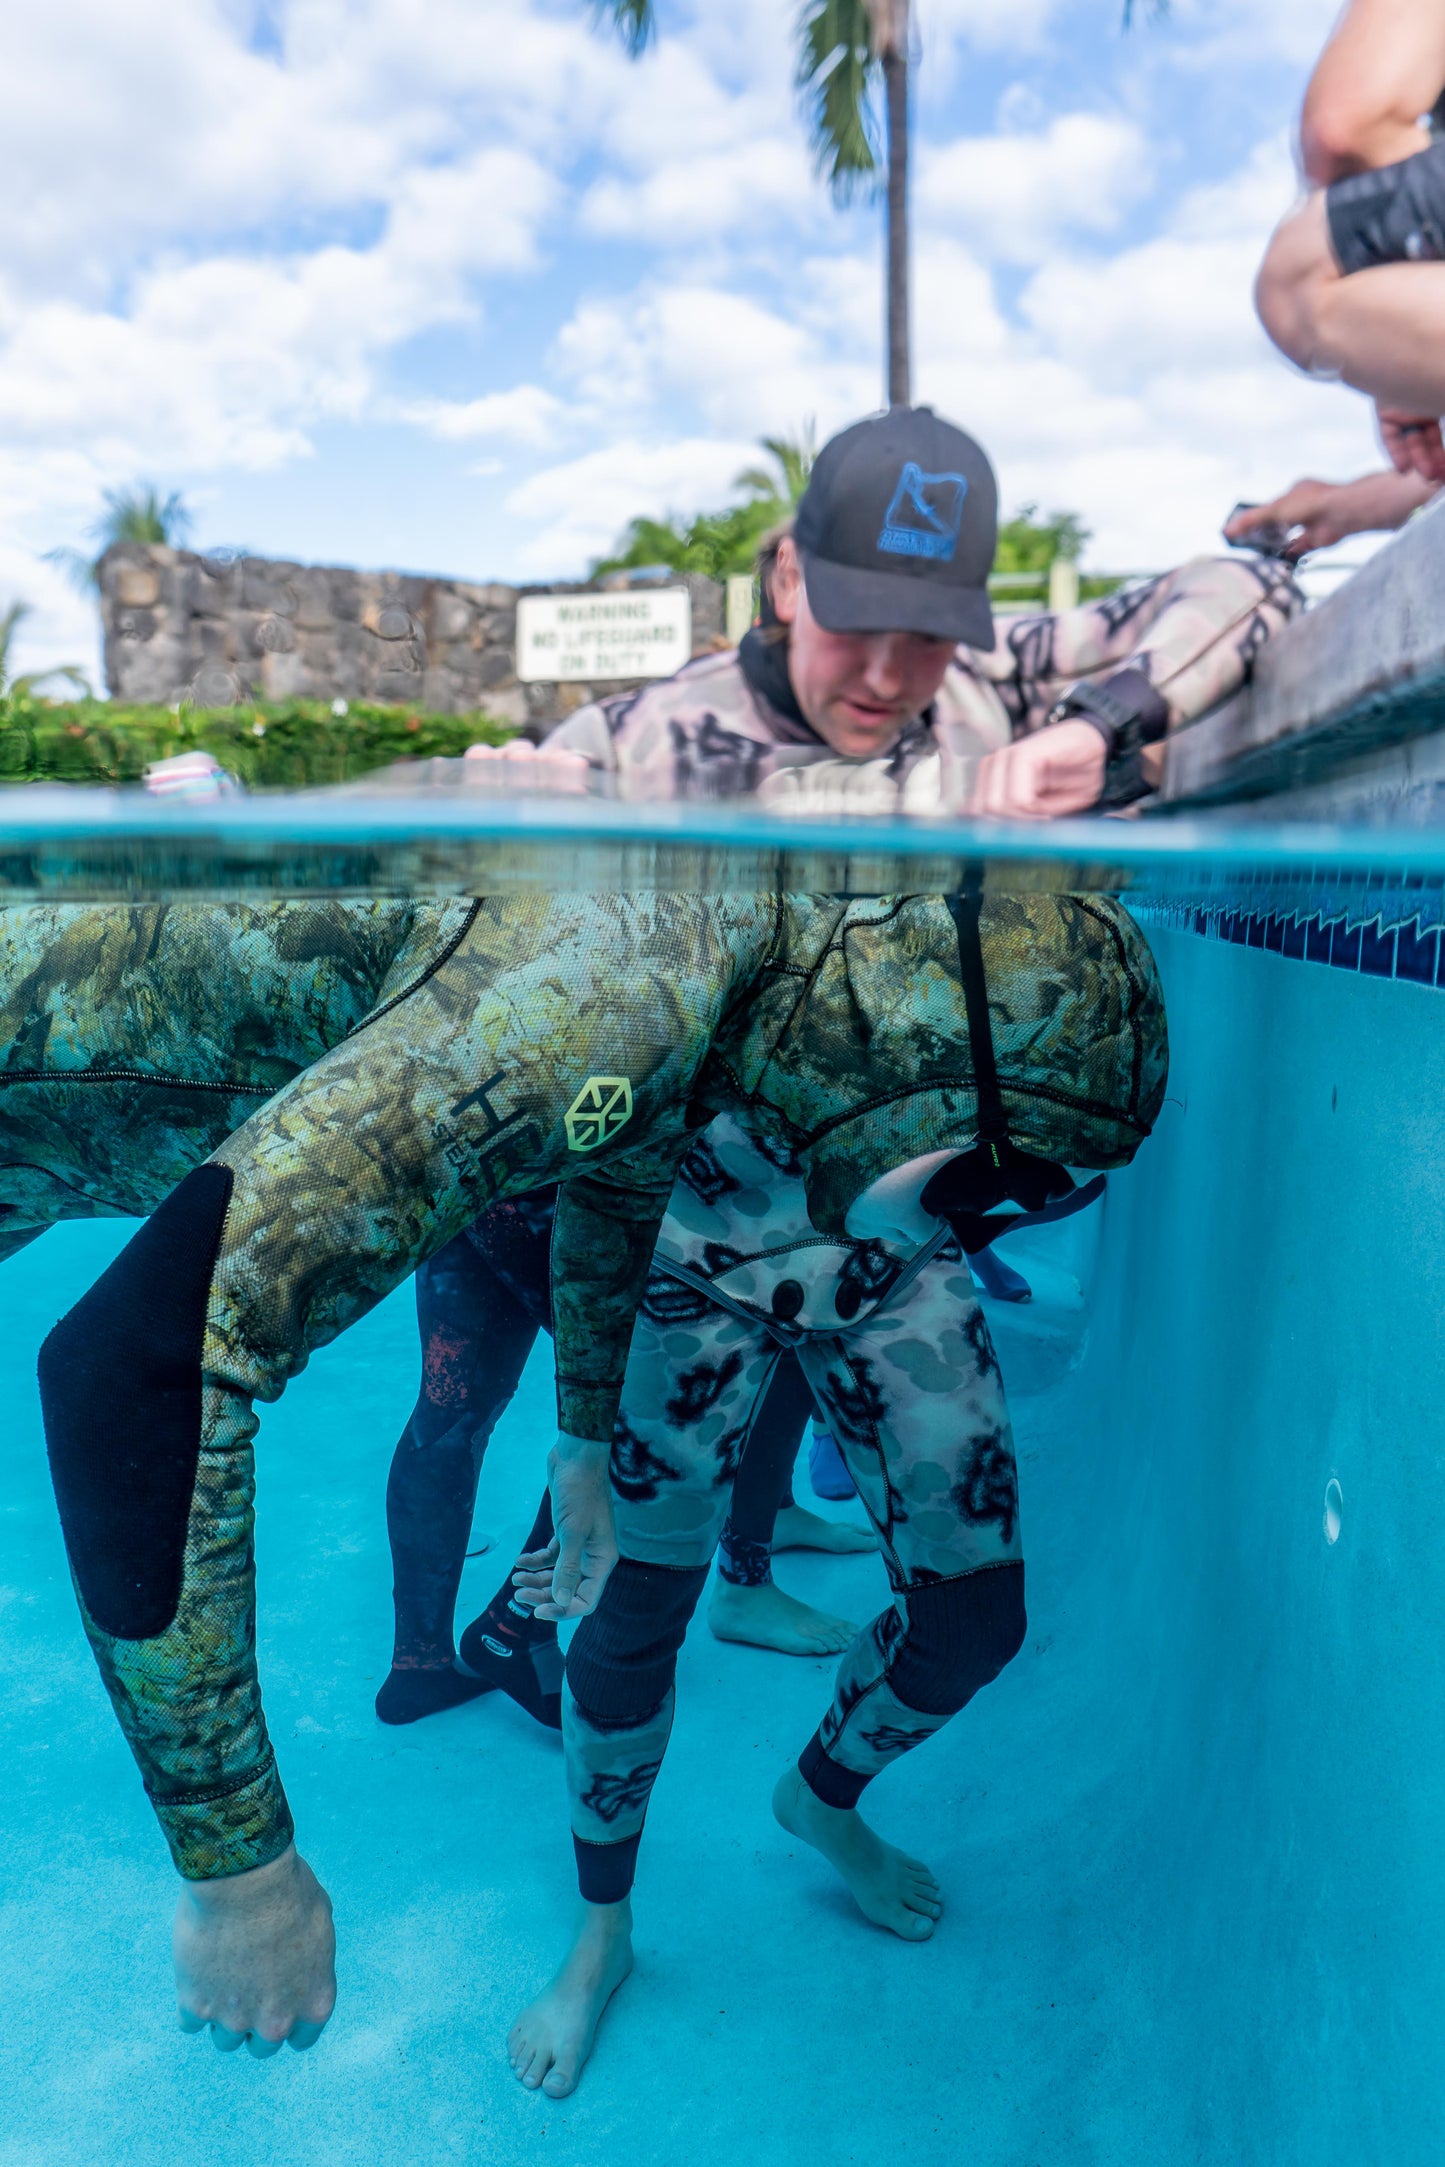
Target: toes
(913, 1926)
(560, 2080)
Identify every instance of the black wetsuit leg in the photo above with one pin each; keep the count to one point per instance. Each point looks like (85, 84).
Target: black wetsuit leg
(476, 1337)
(764, 1480)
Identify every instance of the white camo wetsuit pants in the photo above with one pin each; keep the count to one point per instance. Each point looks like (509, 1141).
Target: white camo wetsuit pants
(898, 1356)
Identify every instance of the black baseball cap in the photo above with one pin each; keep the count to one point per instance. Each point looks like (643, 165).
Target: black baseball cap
(897, 528)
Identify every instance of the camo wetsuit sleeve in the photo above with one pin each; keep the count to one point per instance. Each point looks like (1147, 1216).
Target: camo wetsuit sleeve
(552, 1036)
(602, 1245)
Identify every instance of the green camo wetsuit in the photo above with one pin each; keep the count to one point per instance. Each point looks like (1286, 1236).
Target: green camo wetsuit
(431, 1058)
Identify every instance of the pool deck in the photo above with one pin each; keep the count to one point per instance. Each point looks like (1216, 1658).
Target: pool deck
(1362, 671)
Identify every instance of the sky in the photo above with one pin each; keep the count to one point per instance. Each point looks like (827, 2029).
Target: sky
(455, 286)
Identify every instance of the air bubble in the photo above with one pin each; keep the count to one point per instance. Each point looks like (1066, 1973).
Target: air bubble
(274, 636)
(217, 563)
(1334, 1510)
(214, 688)
(395, 623)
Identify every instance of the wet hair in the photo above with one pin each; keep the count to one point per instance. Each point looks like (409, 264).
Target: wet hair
(764, 566)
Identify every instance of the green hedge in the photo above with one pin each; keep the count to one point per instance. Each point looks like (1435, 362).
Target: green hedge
(269, 744)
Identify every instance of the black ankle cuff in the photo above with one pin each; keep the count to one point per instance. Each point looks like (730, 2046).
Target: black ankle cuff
(829, 1780)
(605, 1870)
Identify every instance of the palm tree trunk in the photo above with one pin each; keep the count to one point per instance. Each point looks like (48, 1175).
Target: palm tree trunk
(895, 82)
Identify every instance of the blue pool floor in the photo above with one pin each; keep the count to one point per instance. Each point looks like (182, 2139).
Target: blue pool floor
(1189, 1842)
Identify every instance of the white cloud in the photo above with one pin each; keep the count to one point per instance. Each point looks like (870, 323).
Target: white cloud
(1013, 196)
(527, 414)
(578, 509)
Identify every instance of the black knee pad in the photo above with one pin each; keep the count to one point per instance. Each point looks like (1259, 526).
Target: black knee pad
(120, 1385)
(623, 1655)
(1393, 214)
(960, 1635)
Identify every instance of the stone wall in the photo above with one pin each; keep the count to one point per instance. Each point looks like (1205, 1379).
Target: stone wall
(218, 628)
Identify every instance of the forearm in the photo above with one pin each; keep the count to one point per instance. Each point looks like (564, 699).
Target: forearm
(602, 1249)
(188, 1698)
(1380, 503)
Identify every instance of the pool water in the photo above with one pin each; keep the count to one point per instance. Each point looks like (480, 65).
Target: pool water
(1189, 1841)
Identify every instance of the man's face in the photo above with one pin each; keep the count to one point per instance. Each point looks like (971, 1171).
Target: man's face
(857, 689)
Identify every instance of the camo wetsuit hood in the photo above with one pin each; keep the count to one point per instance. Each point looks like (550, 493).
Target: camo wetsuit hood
(854, 1049)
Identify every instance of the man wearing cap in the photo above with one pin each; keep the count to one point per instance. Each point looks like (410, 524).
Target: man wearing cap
(876, 677)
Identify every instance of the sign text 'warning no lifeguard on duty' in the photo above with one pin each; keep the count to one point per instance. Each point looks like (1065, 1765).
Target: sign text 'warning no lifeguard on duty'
(580, 637)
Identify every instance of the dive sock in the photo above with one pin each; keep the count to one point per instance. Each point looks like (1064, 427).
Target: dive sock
(999, 1279)
(827, 1469)
(407, 1695)
(508, 1647)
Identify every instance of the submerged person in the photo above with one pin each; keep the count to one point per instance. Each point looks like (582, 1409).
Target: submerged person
(868, 675)
(456, 1051)
(1353, 282)
(481, 1305)
(885, 1320)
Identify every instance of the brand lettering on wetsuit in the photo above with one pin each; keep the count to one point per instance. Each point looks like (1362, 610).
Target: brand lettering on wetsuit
(600, 1109)
(507, 1142)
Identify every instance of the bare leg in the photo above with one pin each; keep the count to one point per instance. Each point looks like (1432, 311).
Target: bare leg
(551, 2040)
(798, 1529)
(745, 1605)
(888, 1887)
(1382, 330)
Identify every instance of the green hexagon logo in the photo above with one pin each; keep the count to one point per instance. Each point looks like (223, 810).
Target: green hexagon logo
(600, 1109)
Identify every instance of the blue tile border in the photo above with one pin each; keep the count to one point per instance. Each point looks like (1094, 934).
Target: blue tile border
(1380, 947)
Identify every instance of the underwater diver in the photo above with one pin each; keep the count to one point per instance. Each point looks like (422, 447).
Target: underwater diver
(1352, 284)
(439, 1055)
(862, 684)
(882, 1314)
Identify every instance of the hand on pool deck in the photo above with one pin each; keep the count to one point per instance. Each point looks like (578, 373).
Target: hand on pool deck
(566, 1579)
(525, 766)
(888, 1886)
(552, 2038)
(255, 1957)
(1056, 772)
(766, 1617)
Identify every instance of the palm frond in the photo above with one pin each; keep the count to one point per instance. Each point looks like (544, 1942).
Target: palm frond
(83, 572)
(784, 482)
(1157, 8)
(11, 620)
(836, 78)
(141, 514)
(635, 21)
(70, 671)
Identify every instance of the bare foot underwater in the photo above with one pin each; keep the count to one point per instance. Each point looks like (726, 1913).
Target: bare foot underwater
(888, 1887)
(549, 2044)
(766, 1617)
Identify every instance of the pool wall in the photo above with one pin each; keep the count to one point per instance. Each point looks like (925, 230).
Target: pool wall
(1250, 1715)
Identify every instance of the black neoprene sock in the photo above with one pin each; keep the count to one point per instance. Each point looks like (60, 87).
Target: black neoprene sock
(510, 1649)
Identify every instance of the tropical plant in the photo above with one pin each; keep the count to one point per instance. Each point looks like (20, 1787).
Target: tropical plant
(137, 514)
(21, 688)
(852, 55)
(721, 543)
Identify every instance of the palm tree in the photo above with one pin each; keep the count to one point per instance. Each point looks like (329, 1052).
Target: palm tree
(138, 514)
(792, 458)
(849, 50)
(11, 620)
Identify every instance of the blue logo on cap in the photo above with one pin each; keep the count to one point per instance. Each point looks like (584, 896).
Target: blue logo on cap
(926, 513)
